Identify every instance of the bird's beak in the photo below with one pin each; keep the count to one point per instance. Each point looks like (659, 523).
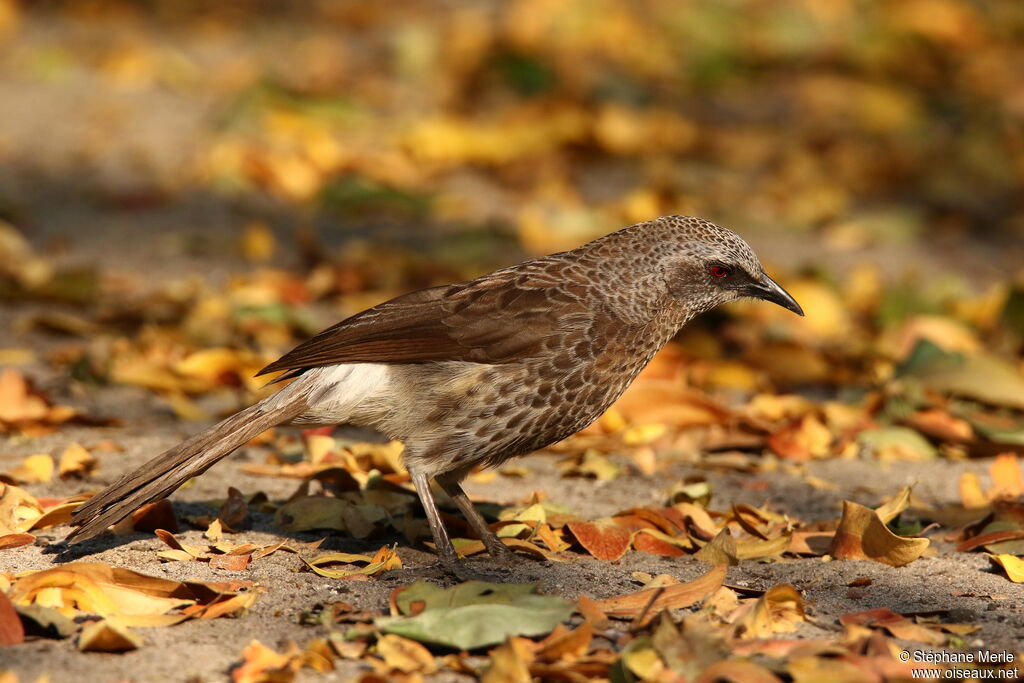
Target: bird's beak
(770, 290)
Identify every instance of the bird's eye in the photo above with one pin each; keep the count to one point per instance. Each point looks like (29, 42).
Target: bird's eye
(720, 271)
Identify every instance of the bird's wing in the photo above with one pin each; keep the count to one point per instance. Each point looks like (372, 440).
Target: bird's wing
(499, 318)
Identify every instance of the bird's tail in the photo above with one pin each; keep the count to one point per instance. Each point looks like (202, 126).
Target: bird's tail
(169, 470)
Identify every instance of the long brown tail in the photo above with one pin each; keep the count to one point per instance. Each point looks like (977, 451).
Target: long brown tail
(169, 470)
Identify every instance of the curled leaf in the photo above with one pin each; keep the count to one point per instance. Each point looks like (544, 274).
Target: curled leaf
(863, 536)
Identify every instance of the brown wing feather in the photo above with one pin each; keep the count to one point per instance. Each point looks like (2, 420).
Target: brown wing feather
(474, 321)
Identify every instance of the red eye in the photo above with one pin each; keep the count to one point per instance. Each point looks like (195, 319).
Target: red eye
(719, 271)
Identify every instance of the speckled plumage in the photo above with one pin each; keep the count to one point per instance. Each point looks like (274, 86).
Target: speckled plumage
(481, 371)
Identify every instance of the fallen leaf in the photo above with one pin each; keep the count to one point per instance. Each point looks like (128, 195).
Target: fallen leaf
(15, 540)
(154, 516)
(630, 605)
(77, 462)
(108, 635)
(407, 656)
(510, 662)
(808, 438)
(1011, 564)
(474, 614)
(863, 536)
(11, 630)
(234, 563)
(602, 538)
(779, 610)
(896, 443)
(384, 560)
(260, 664)
(35, 469)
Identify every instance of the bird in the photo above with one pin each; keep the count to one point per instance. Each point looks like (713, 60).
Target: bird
(477, 372)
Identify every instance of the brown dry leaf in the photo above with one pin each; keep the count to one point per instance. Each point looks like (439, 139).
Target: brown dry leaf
(260, 664)
(738, 671)
(602, 538)
(407, 656)
(779, 610)
(76, 462)
(752, 549)
(812, 669)
(235, 511)
(155, 516)
(863, 536)
(897, 625)
(891, 508)
(566, 644)
(233, 563)
(321, 512)
(467, 548)
(384, 560)
(631, 605)
(721, 550)
(108, 635)
(811, 542)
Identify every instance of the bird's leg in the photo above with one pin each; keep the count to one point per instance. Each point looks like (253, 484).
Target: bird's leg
(450, 483)
(446, 553)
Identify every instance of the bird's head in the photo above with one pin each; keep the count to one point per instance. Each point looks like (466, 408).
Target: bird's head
(711, 265)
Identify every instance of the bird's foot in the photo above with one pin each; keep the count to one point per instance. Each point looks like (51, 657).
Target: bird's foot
(500, 552)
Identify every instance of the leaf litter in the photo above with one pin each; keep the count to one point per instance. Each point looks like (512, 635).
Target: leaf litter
(878, 371)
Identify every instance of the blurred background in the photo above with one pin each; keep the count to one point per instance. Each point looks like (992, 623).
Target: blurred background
(240, 174)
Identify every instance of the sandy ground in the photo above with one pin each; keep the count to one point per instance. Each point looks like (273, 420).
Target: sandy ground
(960, 583)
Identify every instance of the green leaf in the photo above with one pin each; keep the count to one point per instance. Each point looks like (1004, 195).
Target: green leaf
(902, 438)
(474, 614)
(981, 376)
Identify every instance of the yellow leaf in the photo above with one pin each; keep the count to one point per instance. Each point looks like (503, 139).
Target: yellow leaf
(970, 492)
(75, 461)
(1007, 479)
(642, 434)
(510, 662)
(258, 243)
(108, 635)
(405, 655)
(1011, 564)
(19, 510)
(35, 469)
(260, 664)
(779, 610)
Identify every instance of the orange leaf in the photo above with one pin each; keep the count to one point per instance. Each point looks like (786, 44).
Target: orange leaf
(631, 605)
(602, 538)
(15, 540)
(1006, 476)
(233, 563)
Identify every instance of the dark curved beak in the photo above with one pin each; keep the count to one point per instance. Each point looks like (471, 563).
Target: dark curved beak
(770, 290)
